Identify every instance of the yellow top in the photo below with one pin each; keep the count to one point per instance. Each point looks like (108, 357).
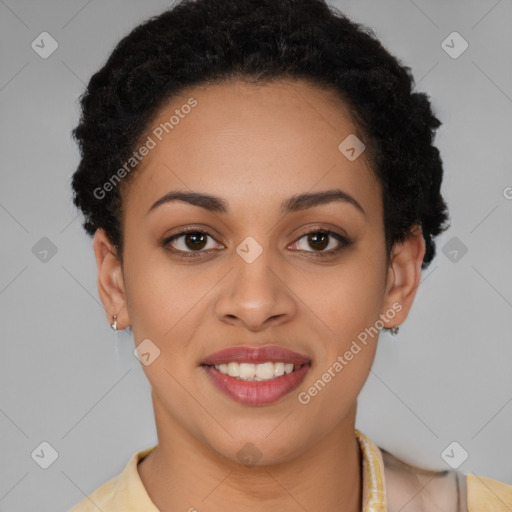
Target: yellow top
(126, 492)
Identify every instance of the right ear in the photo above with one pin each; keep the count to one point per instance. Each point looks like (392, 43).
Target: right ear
(110, 280)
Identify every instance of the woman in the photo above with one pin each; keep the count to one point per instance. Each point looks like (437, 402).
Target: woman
(263, 193)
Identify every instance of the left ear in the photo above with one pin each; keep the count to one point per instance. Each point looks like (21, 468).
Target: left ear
(404, 275)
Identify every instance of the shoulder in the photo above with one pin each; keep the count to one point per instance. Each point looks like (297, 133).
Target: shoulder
(99, 499)
(487, 495)
(123, 493)
(450, 490)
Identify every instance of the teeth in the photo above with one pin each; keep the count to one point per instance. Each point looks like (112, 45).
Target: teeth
(278, 369)
(288, 368)
(232, 370)
(249, 371)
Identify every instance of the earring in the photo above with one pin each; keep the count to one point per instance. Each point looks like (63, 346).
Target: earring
(394, 330)
(114, 323)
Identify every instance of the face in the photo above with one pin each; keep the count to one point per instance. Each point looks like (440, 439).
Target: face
(288, 254)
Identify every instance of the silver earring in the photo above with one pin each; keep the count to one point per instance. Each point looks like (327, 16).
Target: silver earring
(114, 323)
(394, 330)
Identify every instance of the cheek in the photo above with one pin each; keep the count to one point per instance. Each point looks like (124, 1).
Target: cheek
(157, 292)
(167, 304)
(163, 304)
(151, 297)
(349, 298)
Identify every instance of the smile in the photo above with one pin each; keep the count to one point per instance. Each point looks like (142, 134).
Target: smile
(256, 376)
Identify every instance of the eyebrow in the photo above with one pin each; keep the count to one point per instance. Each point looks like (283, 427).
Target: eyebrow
(295, 203)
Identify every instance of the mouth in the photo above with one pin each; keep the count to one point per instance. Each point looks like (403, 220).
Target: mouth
(256, 376)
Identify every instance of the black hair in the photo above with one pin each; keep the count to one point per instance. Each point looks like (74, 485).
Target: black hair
(211, 41)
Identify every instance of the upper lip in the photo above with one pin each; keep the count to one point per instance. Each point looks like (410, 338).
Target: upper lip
(255, 355)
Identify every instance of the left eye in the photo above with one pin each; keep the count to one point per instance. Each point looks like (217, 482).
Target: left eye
(321, 241)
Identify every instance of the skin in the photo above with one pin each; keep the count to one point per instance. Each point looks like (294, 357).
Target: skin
(255, 146)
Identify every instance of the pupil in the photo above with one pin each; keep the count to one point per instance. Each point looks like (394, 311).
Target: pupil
(312, 239)
(198, 239)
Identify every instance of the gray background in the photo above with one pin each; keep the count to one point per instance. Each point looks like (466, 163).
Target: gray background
(67, 379)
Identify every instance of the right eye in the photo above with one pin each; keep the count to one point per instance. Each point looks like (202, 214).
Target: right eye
(189, 241)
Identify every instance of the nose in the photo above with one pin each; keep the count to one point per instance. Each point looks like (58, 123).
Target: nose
(255, 294)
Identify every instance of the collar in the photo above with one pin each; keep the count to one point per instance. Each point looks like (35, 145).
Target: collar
(374, 484)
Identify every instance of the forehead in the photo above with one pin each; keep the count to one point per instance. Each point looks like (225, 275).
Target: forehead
(249, 142)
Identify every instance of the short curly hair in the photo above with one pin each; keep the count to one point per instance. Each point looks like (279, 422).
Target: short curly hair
(210, 41)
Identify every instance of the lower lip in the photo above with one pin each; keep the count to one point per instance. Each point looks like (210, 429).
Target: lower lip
(257, 392)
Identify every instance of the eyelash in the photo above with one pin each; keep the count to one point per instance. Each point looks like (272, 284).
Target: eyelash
(344, 241)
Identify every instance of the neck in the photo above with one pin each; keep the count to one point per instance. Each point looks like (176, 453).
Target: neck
(182, 473)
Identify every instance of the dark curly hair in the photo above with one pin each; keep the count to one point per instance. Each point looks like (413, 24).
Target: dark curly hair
(211, 41)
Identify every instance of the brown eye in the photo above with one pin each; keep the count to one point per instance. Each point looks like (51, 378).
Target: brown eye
(188, 242)
(195, 241)
(316, 242)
